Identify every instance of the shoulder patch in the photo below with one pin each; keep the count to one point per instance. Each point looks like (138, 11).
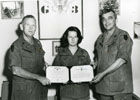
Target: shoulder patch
(12, 48)
(125, 37)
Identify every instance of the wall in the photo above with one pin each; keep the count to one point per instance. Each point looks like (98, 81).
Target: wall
(129, 13)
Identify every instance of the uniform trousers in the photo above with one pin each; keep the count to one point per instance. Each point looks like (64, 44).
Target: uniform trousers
(125, 96)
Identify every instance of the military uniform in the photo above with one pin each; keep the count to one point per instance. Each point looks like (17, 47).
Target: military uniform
(65, 58)
(30, 58)
(119, 45)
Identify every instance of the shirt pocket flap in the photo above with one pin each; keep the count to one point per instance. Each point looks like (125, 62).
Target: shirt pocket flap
(117, 86)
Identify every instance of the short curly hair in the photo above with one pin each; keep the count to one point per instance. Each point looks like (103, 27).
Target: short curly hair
(106, 10)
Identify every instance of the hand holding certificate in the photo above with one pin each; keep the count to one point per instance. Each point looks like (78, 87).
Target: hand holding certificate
(82, 73)
(63, 74)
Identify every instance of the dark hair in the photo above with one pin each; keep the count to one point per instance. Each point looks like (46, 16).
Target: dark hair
(64, 38)
(106, 10)
(27, 16)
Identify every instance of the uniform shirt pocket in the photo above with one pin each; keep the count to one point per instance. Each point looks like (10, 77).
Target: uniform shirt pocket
(66, 60)
(27, 59)
(81, 60)
(112, 48)
(117, 86)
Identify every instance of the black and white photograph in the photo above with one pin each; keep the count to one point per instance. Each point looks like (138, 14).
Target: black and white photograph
(136, 30)
(12, 9)
(70, 50)
(55, 47)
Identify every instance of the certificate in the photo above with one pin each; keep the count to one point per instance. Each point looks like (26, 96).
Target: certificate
(57, 74)
(63, 74)
(82, 73)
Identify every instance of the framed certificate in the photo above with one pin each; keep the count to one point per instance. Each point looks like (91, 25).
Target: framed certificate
(81, 73)
(55, 16)
(57, 74)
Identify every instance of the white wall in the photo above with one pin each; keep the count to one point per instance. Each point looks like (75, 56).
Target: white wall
(129, 14)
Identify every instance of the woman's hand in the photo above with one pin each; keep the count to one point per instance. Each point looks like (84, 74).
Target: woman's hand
(45, 66)
(92, 63)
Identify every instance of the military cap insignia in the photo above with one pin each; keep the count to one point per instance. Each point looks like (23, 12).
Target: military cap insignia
(12, 48)
(125, 37)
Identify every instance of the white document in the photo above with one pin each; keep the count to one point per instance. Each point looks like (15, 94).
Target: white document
(82, 73)
(57, 74)
(60, 74)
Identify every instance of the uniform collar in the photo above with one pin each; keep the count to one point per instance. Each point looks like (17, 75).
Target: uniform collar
(65, 51)
(25, 45)
(112, 39)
